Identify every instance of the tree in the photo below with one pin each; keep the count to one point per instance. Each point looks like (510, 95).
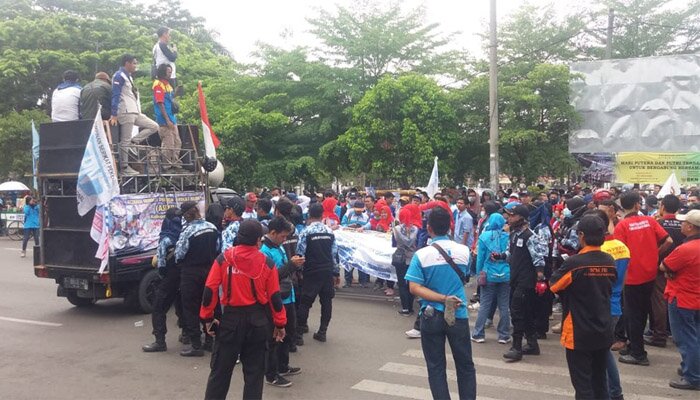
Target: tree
(396, 130)
(16, 141)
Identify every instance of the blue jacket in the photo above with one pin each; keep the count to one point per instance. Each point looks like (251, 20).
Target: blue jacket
(31, 216)
(493, 239)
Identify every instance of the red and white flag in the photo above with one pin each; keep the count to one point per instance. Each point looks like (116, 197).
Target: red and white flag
(211, 142)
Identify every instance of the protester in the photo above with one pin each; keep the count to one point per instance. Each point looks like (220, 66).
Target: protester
(94, 95)
(494, 279)
(330, 218)
(277, 365)
(356, 217)
(250, 200)
(321, 272)
(31, 223)
(168, 291)
(65, 99)
(682, 269)
(646, 240)
(167, 121)
(464, 224)
(526, 267)
(404, 238)
(262, 209)
(436, 275)
(568, 234)
(195, 251)
(165, 52)
(250, 296)
(126, 110)
(540, 217)
(235, 208)
(584, 283)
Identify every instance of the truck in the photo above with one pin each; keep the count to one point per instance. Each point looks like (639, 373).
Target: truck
(66, 253)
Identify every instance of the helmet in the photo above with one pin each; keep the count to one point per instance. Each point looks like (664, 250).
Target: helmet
(601, 194)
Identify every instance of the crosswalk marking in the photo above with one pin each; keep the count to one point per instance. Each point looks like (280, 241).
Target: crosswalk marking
(403, 391)
(481, 379)
(543, 369)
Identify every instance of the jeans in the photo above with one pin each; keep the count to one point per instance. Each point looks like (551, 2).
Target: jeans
(685, 327)
(497, 293)
(637, 308)
(404, 294)
(434, 330)
(614, 385)
(30, 231)
(361, 276)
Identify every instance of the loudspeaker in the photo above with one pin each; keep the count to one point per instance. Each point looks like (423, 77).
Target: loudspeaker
(70, 249)
(61, 146)
(63, 214)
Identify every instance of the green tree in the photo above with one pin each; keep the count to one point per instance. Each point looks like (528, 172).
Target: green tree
(16, 140)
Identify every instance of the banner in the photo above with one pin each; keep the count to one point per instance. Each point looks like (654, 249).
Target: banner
(97, 179)
(369, 252)
(134, 220)
(655, 168)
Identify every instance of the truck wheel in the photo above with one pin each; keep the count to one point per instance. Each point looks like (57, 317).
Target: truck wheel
(147, 291)
(79, 301)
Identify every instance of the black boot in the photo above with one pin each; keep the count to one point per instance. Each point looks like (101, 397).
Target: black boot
(531, 348)
(516, 351)
(157, 346)
(320, 336)
(193, 350)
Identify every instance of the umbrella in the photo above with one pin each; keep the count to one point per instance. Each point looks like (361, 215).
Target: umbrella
(13, 186)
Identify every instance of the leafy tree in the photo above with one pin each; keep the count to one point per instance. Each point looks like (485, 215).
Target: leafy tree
(16, 140)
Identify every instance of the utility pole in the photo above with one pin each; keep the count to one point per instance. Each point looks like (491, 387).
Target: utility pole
(609, 39)
(493, 101)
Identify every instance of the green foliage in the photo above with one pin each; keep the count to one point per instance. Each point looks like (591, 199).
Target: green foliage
(16, 140)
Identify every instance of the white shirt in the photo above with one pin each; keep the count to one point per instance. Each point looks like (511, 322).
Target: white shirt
(162, 59)
(65, 104)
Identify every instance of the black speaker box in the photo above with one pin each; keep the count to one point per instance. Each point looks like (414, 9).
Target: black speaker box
(70, 249)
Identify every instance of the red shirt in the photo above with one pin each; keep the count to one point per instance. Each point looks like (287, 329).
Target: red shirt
(642, 235)
(684, 261)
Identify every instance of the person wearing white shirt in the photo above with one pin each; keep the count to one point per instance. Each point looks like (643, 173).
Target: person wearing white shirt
(65, 100)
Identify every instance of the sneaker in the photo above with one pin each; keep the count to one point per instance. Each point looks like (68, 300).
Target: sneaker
(413, 334)
(617, 346)
(291, 371)
(488, 324)
(23, 254)
(630, 359)
(190, 351)
(513, 355)
(129, 171)
(504, 341)
(681, 383)
(320, 336)
(155, 347)
(478, 340)
(279, 381)
(650, 341)
(405, 313)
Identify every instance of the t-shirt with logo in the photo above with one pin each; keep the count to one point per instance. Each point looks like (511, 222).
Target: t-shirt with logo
(684, 261)
(642, 236)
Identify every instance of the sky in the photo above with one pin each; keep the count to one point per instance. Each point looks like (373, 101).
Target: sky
(242, 23)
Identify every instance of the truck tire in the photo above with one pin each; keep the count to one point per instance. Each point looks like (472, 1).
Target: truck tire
(147, 291)
(79, 301)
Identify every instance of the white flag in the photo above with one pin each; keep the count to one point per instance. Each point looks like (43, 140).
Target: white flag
(434, 182)
(97, 179)
(670, 187)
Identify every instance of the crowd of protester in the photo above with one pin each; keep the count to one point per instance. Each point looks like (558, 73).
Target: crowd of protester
(612, 261)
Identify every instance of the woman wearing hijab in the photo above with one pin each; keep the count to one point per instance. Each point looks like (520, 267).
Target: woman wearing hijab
(568, 234)
(168, 291)
(329, 217)
(540, 223)
(496, 288)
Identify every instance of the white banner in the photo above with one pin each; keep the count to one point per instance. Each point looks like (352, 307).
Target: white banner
(369, 251)
(97, 179)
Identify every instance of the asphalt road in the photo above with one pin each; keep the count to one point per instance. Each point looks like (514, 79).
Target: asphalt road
(52, 350)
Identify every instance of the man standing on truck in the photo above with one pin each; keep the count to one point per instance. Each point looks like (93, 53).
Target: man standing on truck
(168, 291)
(167, 122)
(195, 252)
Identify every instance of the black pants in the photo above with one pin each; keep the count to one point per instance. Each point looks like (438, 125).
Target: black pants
(588, 370)
(167, 294)
(404, 294)
(244, 332)
(522, 311)
(192, 280)
(542, 311)
(278, 353)
(321, 286)
(637, 308)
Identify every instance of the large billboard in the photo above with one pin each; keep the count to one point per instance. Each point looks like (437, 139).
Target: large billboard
(637, 105)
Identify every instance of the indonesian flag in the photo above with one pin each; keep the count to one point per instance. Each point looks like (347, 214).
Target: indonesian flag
(211, 142)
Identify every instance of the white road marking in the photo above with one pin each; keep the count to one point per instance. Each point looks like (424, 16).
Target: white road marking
(30, 322)
(403, 391)
(481, 379)
(12, 248)
(545, 369)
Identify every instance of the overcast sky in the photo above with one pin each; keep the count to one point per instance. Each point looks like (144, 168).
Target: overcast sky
(241, 23)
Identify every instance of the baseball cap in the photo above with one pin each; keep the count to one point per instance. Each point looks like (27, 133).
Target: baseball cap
(514, 195)
(591, 225)
(692, 217)
(249, 232)
(519, 209)
(237, 204)
(187, 206)
(524, 193)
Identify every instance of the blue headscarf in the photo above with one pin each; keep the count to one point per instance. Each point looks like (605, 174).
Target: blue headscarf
(541, 215)
(172, 225)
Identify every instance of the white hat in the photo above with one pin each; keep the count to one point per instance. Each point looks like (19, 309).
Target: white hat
(692, 217)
